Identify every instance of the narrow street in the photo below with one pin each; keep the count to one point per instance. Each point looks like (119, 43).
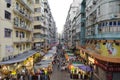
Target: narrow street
(59, 75)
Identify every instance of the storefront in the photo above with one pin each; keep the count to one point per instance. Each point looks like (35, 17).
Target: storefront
(18, 64)
(109, 70)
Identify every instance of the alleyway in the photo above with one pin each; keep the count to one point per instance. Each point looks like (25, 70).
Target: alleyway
(59, 75)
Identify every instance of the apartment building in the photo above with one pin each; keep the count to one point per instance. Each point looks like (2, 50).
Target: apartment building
(69, 26)
(22, 25)
(52, 31)
(76, 28)
(16, 27)
(40, 29)
(50, 23)
(6, 29)
(101, 49)
(99, 36)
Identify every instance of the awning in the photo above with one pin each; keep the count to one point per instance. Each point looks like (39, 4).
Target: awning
(77, 64)
(19, 58)
(86, 68)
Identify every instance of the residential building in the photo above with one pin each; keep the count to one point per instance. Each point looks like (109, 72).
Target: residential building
(101, 48)
(76, 28)
(40, 28)
(52, 32)
(16, 25)
(6, 30)
(99, 36)
(17, 30)
(50, 24)
(22, 25)
(68, 24)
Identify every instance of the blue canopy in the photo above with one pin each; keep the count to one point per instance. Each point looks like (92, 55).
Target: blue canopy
(86, 68)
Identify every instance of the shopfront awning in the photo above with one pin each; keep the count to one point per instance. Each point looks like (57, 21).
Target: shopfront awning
(19, 58)
(77, 64)
(86, 68)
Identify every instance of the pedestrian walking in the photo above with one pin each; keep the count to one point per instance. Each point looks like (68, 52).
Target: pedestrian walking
(58, 65)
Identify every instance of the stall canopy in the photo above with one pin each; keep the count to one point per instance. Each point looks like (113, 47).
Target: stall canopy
(19, 57)
(77, 64)
(86, 68)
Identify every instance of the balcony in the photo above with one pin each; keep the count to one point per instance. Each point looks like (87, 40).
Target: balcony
(38, 31)
(23, 14)
(28, 6)
(106, 35)
(40, 24)
(22, 27)
(22, 40)
(39, 40)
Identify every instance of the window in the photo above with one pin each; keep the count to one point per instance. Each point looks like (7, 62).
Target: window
(106, 24)
(16, 33)
(114, 23)
(8, 32)
(103, 24)
(37, 18)
(99, 10)
(118, 23)
(37, 1)
(27, 45)
(99, 24)
(119, 7)
(22, 34)
(17, 46)
(110, 23)
(37, 9)
(7, 15)
(23, 46)
(17, 6)
(20, 47)
(37, 27)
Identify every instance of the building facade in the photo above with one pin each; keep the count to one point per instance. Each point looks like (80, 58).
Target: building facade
(16, 27)
(24, 25)
(99, 37)
(40, 29)
(68, 27)
(101, 47)
(44, 24)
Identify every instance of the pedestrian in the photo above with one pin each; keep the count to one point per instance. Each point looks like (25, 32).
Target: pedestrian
(48, 77)
(79, 75)
(58, 65)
